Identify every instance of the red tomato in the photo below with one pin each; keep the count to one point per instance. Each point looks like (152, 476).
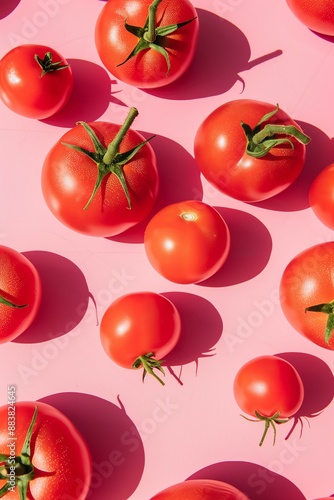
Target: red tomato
(104, 200)
(56, 465)
(321, 196)
(269, 388)
(307, 294)
(250, 150)
(143, 55)
(20, 293)
(139, 329)
(200, 489)
(35, 81)
(316, 15)
(187, 242)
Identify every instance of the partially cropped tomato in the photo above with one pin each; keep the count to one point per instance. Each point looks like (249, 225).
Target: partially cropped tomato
(250, 150)
(307, 293)
(321, 196)
(42, 454)
(187, 242)
(317, 15)
(101, 178)
(139, 329)
(200, 489)
(270, 389)
(149, 43)
(20, 293)
(35, 81)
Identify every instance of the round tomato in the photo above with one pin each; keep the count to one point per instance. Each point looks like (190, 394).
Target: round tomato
(317, 16)
(35, 81)
(139, 329)
(147, 44)
(201, 489)
(321, 196)
(250, 150)
(20, 293)
(101, 178)
(269, 388)
(187, 242)
(42, 454)
(307, 293)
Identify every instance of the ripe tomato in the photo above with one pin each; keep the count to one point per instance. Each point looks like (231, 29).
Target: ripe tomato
(56, 465)
(307, 294)
(187, 242)
(249, 149)
(139, 329)
(269, 388)
(317, 16)
(20, 293)
(35, 81)
(321, 196)
(101, 178)
(149, 43)
(201, 489)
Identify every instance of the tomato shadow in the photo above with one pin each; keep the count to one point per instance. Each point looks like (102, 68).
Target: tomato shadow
(250, 251)
(252, 479)
(222, 53)
(7, 7)
(180, 179)
(65, 297)
(114, 442)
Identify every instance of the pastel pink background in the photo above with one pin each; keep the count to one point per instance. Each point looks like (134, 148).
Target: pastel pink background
(145, 437)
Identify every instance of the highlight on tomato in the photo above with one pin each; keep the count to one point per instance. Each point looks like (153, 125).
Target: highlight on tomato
(147, 44)
(20, 293)
(250, 150)
(35, 81)
(139, 329)
(270, 389)
(307, 294)
(42, 454)
(321, 196)
(317, 16)
(187, 242)
(101, 178)
(201, 489)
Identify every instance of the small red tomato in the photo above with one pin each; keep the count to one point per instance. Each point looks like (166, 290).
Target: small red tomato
(321, 196)
(200, 489)
(317, 15)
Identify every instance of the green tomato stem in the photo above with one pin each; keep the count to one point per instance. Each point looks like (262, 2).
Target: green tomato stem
(11, 304)
(150, 34)
(326, 308)
(113, 147)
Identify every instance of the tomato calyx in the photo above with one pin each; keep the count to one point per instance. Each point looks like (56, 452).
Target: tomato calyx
(149, 364)
(18, 471)
(327, 308)
(47, 65)
(9, 303)
(261, 140)
(152, 36)
(268, 422)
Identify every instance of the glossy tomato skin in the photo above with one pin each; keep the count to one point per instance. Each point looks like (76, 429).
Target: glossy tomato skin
(20, 284)
(25, 91)
(59, 454)
(220, 151)
(148, 69)
(187, 242)
(200, 489)
(68, 180)
(321, 196)
(317, 15)
(307, 281)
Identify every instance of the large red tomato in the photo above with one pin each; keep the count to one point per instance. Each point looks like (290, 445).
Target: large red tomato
(200, 489)
(187, 242)
(20, 293)
(270, 389)
(139, 329)
(101, 178)
(316, 15)
(321, 196)
(148, 43)
(250, 150)
(35, 81)
(307, 293)
(42, 454)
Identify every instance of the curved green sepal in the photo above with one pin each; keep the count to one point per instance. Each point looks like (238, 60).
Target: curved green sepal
(47, 65)
(9, 303)
(268, 422)
(326, 308)
(149, 364)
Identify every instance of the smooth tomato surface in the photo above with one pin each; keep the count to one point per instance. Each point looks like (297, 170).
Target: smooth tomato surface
(187, 242)
(220, 151)
(25, 91)
(20, 284)
(316, 15)
(308, 281)
(200, 489)
(321, 196)
(148, 69)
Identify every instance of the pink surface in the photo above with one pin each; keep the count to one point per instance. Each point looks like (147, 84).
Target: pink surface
(146, 437)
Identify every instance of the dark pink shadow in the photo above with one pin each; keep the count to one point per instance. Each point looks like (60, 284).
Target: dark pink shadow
(7, 7)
